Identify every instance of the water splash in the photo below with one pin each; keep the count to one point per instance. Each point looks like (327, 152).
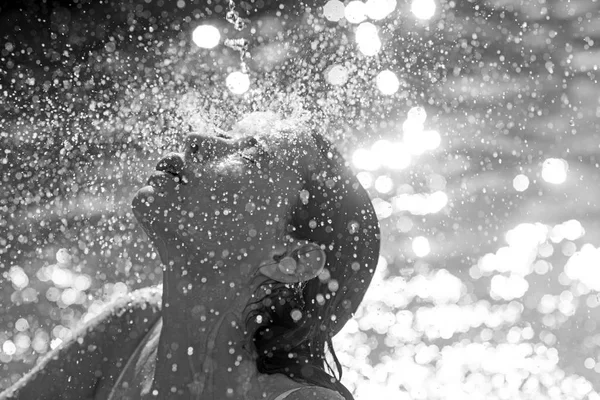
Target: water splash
(233, 17)
(240, 45)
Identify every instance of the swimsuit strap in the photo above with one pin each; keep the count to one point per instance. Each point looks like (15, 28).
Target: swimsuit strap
(122, 384)
(330, 394)
(283, 395)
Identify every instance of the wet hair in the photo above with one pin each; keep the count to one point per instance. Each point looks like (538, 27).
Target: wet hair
(293, 324)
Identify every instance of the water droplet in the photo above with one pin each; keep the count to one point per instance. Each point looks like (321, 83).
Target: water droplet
(296, 315)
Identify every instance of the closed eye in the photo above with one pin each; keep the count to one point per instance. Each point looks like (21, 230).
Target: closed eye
(251, 151)
(223, 136)
(248, 158)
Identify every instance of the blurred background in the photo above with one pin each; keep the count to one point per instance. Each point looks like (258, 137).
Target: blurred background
(474, 124)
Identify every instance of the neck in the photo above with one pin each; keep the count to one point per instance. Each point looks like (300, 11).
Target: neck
(204, 350)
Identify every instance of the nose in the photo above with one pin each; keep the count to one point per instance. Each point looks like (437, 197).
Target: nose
(200, 147)
(172, 163)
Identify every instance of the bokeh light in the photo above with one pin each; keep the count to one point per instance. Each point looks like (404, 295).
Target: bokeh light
(367, 39)
(554, 170)
(366, 160)
(18, 277)
(418, 140)
(333, 10)
(206, 36)
(384, 184)
(417, 115)
(420, 246)
(379, 9)
(238, 82)
(583, 265)
(423, 9)
(420, 203)
(387, 82)
(521, 183)
(337, 75)
(355, 12)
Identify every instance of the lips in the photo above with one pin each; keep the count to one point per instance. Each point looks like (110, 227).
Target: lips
(158, 179)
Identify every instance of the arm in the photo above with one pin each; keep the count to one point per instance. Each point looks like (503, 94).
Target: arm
(94, 356)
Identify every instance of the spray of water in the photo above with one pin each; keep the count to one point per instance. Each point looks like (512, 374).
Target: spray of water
(240, 45)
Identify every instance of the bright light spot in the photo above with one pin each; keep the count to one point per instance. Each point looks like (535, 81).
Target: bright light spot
(367, 39)
(521, 183)
(589, 363)
(423, 9)
(420, 246)
(431, 140)
(387, 82)
(571, 230)
(440, 287)
(583, 266)
(237, 82)
(417, 115)
(383, 209)
(82, 283)
(413, 136)
(379, 9)
(366, 160)
(337, 75)
(384, 184)
(365, 179)
(206, 36)
(333, 10)
(398, 158)
(437, 201)
(54, 343)
(9, 347)
(420, 204)
(355, 12)
(554, 170)
(18, 277)
(61, 277)
(63, 256)
(527, 235)
(22, 324)
(508, 287)
(418, 140)
(69, 296)
(392, 155)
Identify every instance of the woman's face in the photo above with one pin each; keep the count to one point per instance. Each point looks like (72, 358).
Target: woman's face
(230, 199)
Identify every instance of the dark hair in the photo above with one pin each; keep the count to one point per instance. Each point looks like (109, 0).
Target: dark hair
(339, 216)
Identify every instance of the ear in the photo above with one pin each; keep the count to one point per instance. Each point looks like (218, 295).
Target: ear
(302, 264)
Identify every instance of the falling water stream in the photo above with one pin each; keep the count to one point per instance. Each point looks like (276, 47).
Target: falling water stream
(239, 45)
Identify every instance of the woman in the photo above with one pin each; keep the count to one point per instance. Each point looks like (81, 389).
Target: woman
(268, 244)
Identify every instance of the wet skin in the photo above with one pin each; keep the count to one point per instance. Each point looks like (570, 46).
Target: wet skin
(218, 214)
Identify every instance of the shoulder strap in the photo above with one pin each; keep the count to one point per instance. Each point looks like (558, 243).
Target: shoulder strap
(283, 395)
(143, 356)
(314, 392)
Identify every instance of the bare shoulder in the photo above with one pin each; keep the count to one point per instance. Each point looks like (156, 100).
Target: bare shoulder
(77, 367)
(313, 393)
(139, 307)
